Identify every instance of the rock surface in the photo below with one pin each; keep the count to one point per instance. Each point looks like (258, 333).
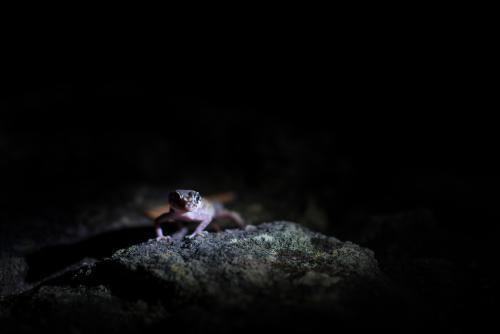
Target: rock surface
(37, 245)
(274, 275)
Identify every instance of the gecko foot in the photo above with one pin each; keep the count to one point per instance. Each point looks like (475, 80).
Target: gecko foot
(164, 237)
(195, 234)
(250, 227)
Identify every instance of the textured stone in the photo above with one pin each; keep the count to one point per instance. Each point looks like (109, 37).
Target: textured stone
(273, 275)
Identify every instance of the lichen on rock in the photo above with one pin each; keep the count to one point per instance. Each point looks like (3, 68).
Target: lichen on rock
(251, 278)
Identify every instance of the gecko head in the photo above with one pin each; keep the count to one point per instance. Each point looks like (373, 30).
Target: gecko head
(186, 200)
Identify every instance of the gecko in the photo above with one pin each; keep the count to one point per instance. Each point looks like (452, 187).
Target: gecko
(190, 206)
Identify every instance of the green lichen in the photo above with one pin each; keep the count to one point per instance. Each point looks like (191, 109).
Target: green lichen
(264, 270)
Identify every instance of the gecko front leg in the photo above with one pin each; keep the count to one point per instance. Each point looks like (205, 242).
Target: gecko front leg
(164, 218)
(159, 232)
(220, 213)
(201, 226)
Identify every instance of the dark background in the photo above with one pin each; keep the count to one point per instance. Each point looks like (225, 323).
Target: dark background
(384, 138)
(389, 138)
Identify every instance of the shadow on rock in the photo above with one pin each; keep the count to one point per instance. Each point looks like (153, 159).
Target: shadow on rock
(50, 260)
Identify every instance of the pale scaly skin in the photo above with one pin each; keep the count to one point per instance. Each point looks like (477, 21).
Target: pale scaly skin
(189, 206)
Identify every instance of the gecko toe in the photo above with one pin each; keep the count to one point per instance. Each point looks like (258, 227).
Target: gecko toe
(163, 237)
(194, 235)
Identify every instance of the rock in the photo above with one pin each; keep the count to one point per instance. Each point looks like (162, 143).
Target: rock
(12, 268)
(396, 237)
(79, 310)
(33, 246)
(275, 275)
(38, 244)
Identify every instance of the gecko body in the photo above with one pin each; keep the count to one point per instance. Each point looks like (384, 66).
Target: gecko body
(189, 206)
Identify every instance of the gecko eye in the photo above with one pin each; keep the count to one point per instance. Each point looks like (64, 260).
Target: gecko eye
(174, 197)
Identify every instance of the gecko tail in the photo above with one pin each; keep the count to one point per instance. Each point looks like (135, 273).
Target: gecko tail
(157, 211)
